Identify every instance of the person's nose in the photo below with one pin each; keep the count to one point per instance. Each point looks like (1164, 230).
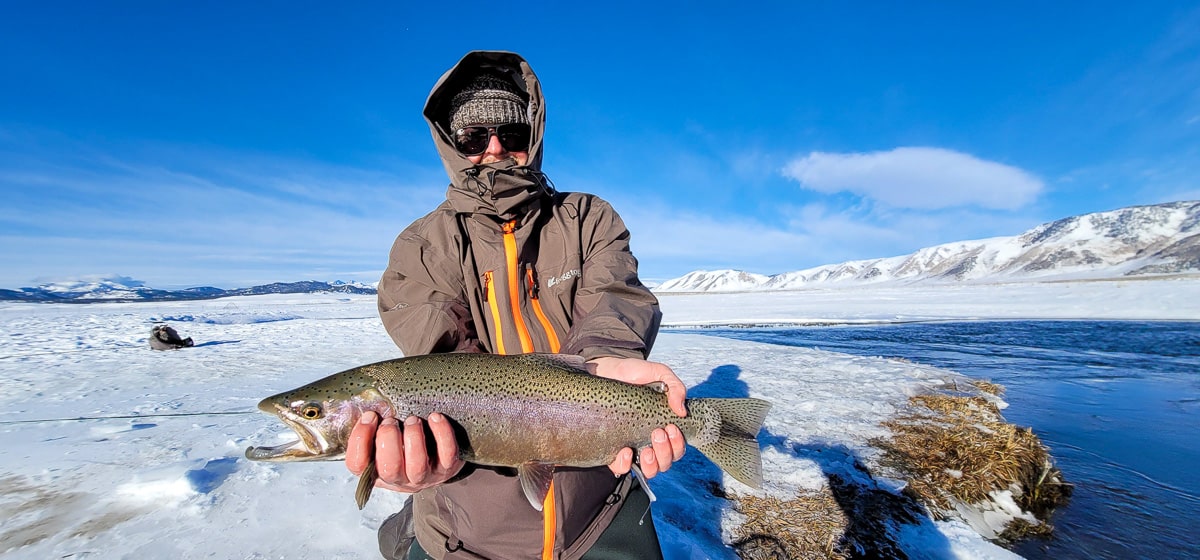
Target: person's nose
(494, 147)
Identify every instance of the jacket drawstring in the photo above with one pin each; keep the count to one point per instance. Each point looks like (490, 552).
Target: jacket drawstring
(544, 183)
(481, 187)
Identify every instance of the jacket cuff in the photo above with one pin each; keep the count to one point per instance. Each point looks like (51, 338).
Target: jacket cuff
(609, 350)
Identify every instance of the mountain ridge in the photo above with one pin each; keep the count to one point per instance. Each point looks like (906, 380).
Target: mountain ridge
(1135, 241)
(1131, 242)
(123, 290)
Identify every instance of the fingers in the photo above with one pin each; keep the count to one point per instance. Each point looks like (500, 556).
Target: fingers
(623, 463)
(661, 447)
(416, 456)
(676, 390)
(402, 458)
(448, 460)
(648, 461)
(389, 452)
(678, 443)
(640, 372)
(361, 445)
(676, 395)
(666, 447)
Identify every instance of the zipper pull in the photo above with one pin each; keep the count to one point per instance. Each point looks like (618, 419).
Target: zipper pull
(533, 291)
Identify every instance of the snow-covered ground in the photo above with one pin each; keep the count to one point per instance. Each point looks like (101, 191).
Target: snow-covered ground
(112, 450)
(1177, 299)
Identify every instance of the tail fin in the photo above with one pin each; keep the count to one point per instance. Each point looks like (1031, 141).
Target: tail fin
(736, 450)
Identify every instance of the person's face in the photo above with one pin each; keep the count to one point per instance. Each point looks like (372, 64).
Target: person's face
(496, 152)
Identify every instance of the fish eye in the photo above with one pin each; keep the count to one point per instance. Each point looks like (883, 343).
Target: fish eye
(311, 411)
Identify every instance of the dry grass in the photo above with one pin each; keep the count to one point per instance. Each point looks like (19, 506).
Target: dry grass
(958, 448)
(989, 387)
(803, 528)
(951, 448)
(844, 520)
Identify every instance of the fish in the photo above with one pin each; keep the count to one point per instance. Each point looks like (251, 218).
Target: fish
(532, 412)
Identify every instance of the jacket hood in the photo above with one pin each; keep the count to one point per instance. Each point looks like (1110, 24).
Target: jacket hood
(503, 189)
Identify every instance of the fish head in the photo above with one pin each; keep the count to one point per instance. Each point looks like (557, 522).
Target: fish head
(322, 414)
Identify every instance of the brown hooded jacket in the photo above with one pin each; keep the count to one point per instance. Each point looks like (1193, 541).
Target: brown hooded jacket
(507, 265)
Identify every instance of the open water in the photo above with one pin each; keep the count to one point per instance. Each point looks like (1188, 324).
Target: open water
(1117, 403)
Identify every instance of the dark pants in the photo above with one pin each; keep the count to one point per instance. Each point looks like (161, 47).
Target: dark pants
(631, 536)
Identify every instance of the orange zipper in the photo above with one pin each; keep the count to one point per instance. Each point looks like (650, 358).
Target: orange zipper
(514, 285)
(549, 524)
(537, 310)
(489, 291)
(549, 517)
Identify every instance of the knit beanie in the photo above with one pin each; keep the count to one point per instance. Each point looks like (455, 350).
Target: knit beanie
(488, 99)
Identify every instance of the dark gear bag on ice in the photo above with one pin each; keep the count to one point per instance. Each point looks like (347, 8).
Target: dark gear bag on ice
(163, 337)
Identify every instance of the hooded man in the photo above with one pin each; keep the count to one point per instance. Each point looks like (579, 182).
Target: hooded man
(508, 265)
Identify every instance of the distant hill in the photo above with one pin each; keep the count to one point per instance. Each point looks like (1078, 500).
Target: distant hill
(125, 290)
(1139, 241)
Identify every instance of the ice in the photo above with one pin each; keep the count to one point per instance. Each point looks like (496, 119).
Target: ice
(112, 450)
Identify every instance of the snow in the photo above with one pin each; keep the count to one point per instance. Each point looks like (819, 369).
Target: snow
(1128, 242)
(113, 450)
(1109, 299)
(714, 281)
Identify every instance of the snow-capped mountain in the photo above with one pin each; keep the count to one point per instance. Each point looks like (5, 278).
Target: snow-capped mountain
(121, 288)
(715, 281)
(1135, 241)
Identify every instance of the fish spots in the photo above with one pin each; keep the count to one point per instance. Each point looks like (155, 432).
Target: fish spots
(509, 410)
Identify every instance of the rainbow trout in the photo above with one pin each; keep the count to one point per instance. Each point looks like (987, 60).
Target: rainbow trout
(530, 411)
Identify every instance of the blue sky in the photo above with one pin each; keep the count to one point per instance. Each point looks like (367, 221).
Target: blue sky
(239, 143)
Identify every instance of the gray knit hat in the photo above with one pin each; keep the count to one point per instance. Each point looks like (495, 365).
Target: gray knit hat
(488, 99)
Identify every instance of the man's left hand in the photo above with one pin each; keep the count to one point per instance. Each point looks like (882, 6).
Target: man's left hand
(667, 444)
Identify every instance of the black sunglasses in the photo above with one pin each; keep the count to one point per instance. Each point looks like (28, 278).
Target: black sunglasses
(474, 140)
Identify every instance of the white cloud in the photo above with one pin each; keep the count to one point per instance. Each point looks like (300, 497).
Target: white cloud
(917, 177)
(196, 217)
(711, 241)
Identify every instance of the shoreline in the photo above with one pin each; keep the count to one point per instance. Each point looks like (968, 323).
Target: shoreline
(750, 325)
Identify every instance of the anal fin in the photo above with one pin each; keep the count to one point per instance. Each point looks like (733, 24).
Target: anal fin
(535, 480)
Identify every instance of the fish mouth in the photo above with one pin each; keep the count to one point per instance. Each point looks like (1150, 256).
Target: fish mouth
(312, 445)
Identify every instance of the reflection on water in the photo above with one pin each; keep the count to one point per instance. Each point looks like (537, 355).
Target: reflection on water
(1118, 403)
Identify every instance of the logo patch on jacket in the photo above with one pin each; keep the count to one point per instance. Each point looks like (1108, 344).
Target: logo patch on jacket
(573, 273)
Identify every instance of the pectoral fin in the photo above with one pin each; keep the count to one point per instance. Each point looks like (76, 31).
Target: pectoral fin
(535, 481)
(641, 478)
(366, 483)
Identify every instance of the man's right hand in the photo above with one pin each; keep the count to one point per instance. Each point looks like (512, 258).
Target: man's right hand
(400, 455)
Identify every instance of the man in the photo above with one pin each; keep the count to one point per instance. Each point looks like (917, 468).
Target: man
(508, 265)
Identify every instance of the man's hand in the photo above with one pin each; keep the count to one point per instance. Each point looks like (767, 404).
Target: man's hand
(400, 455)
(667, 444)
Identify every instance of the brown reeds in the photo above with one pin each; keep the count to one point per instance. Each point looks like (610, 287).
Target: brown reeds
(950, 448)
(806, 527)
(957, 448)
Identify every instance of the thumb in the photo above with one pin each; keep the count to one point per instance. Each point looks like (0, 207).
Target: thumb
(676, 400)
